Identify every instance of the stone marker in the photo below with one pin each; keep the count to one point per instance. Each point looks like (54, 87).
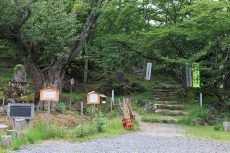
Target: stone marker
(6, 140)
(13, 133)
(19, 73)
(226, 126)
(20, 125)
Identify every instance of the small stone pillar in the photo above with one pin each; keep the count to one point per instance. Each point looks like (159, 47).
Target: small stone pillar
(226, 126)
(20, 125)
(13, 133)
(6, 140)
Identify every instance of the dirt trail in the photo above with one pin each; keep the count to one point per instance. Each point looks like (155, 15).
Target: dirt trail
(159, 129)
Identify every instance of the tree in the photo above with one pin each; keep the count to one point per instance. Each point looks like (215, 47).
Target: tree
(48, 35)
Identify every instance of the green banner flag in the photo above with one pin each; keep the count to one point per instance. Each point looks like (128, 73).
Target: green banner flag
(195, 75)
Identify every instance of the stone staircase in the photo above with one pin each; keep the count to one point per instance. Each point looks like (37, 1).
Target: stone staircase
(166, 107)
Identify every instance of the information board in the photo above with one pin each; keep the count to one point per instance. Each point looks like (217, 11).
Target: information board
(49, 94)
(20, 111)
(93, 98)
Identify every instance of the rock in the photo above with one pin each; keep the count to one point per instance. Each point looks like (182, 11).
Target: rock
(2, 110)
(150, 107)
(6, 140)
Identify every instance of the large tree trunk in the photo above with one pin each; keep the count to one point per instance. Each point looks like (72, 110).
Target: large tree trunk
(53, 78)
(36, 76)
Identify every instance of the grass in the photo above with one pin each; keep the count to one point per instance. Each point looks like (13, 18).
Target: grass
(207, 132)
(75, 95)
(40, 133)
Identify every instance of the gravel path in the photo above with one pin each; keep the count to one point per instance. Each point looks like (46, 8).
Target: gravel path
(153, 138)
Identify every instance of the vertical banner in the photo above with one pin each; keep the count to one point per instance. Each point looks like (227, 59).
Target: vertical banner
(196, 75)
(148, 71)
(113, 96)
(188, 70)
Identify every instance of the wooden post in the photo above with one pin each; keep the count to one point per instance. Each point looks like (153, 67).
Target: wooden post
(98, 109)
(3, 103)
(111, 105)
(82, 113)
(48, 117)
(91, 115)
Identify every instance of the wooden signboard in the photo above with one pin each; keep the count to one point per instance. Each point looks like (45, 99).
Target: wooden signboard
(93, 98)
(49, 94)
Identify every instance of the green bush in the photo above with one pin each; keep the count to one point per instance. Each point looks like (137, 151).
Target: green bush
(61, 107)
(197, 116)
(83, 130)
(100, 123)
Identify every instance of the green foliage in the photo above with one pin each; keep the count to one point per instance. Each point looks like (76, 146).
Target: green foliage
(18, 142)
(126, 88)
(40, 132)
(99, 126)
(100, 123)
(61, 107)
(197, 116)
(83, 130)
(18, 67)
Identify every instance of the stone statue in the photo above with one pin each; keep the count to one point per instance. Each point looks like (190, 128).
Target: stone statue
(19, 74)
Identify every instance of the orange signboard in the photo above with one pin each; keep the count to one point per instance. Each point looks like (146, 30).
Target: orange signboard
(49, 94)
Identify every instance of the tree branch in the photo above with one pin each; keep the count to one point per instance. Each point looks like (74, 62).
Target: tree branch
(88, 26)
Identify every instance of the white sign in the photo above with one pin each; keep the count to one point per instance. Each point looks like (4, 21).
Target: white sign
(93, 98)
(112, 95)
(148, 71)
(72, 81)
(49, 95)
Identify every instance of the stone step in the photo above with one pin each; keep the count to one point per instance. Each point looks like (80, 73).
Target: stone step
(170, 112)
(163, 90)
(161, 119)
(170, 107)
(165, 98)
(164, 93)
(166, 102)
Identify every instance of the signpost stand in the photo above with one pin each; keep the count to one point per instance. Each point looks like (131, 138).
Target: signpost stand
(91, 115)
(201, 100)
(82, 113)
(94, 98)
(49, 95)
(112, 101)
(71, 91)
(48, 112)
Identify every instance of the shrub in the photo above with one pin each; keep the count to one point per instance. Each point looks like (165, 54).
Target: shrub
(82, 130)
(61, 107)
(100, 123)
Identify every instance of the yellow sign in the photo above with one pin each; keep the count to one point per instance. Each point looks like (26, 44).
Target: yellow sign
(49, 94)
